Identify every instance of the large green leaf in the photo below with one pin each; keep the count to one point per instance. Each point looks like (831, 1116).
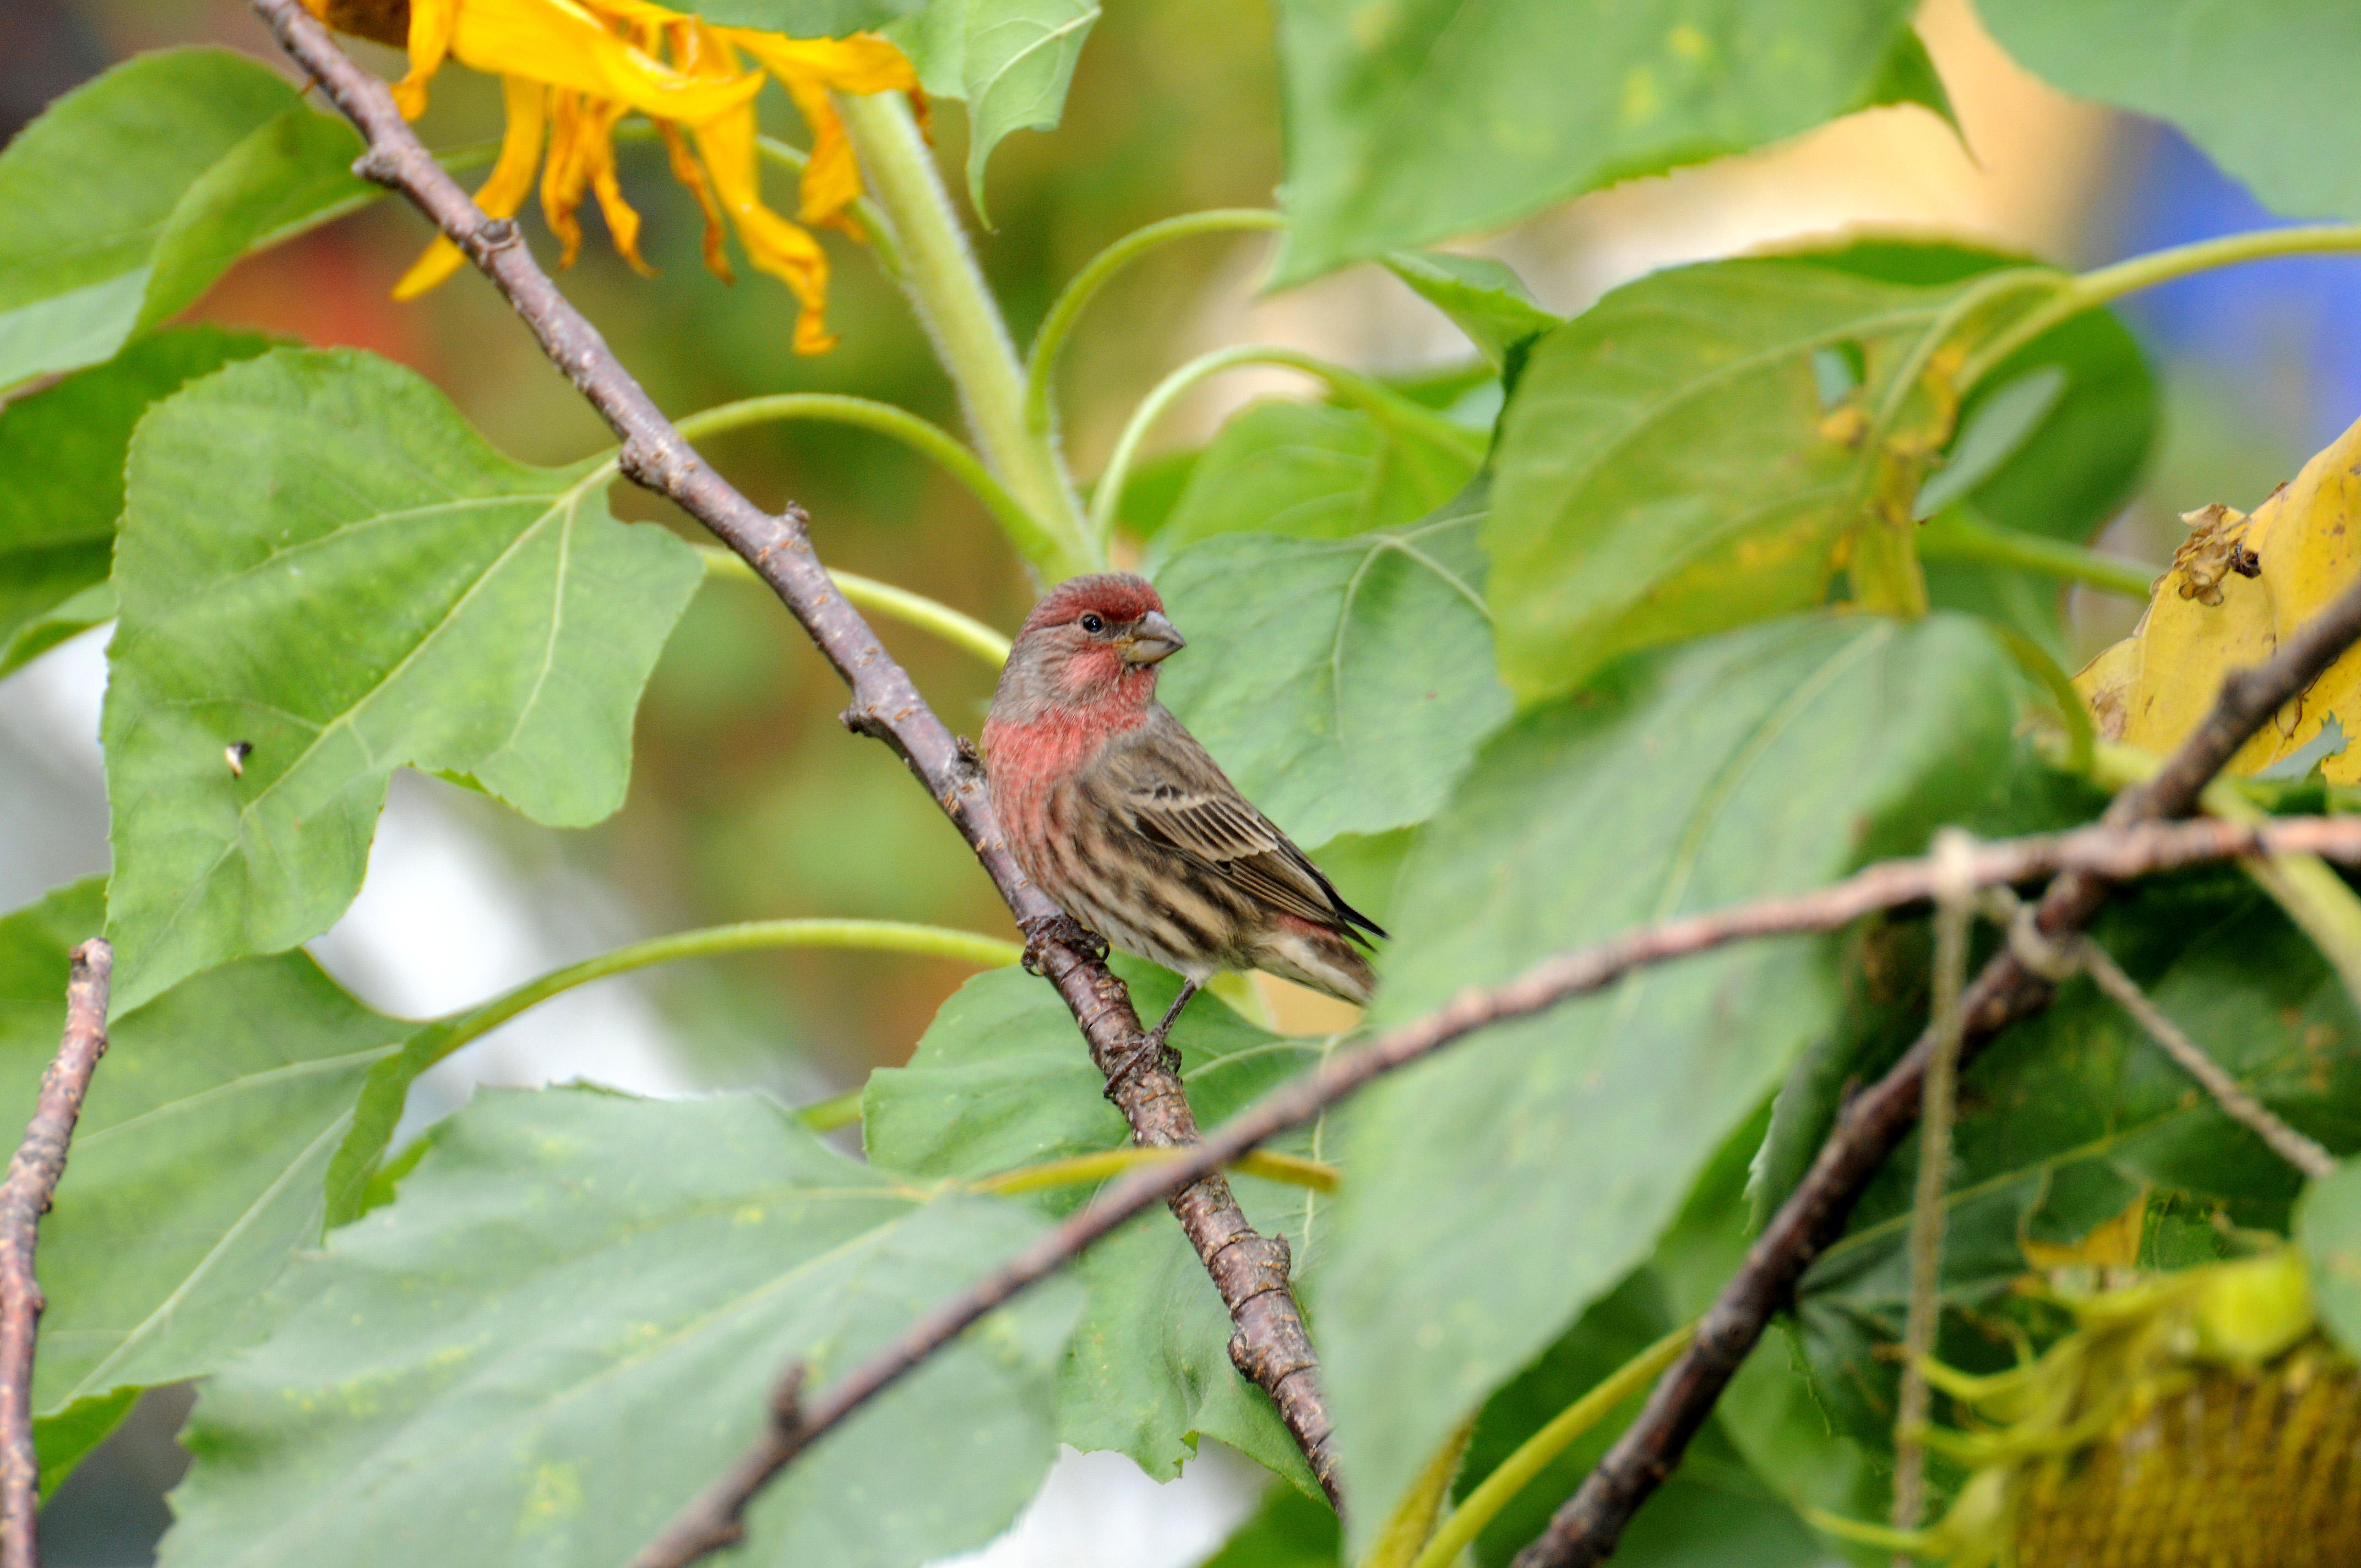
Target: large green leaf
(569, 1322)
(1769, 759)
(2070, 1116)
(1412, 121)
(1344, 684)
(1001, 1081)
(2328, 1225)
(1309, 471)
(62, 448)
(131, 194)
(2067, 475)
(1678, 462)
(1009, 60)
(320, 560)
(195, 1172)
(2262, 87)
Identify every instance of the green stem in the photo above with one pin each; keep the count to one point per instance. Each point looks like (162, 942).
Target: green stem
(1041, 363)
(940, 277)
(1076, 1170)
(1533, 1456)
(1412, 1524)
(877, 936)
(1374, 396)
(923, 436)
(883, 598)
(828, 1115)
(2109, 283)
(1956, 533)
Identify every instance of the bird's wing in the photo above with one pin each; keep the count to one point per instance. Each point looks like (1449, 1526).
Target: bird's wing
(1169, 790)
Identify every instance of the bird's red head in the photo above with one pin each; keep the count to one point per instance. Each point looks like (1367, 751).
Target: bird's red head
(1090, 640)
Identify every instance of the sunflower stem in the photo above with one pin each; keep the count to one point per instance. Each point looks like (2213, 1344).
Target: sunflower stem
(947, 289)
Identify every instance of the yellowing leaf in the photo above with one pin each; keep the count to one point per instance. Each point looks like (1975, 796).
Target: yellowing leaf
(2235, 588)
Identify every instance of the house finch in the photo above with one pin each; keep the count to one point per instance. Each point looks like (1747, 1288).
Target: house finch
(1119, 816)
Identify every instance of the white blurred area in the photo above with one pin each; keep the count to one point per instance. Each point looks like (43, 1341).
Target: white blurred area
(448, 918)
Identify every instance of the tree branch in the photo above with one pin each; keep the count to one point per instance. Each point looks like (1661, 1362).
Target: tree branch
(23, 1199)
(2116, 852)
(1248, 1269)
(1870, 1126)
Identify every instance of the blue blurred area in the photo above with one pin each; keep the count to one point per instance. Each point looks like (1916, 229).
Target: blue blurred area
(2285, 333)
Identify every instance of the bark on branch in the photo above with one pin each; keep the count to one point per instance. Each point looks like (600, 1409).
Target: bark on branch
(23, 1199)
(1270, 1345)
(2116, 852)
(1584, 1530)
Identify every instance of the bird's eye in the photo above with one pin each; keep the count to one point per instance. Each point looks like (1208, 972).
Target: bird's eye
(1094, 625)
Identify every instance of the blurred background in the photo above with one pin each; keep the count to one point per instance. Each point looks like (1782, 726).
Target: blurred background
(748, 799)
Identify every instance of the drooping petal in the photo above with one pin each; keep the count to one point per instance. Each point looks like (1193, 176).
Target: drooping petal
(809, 68)
(503, 192)
(772, 244)
(622, 219)
(689, 173)
(431, 22)
(565, 45)
(563, 177)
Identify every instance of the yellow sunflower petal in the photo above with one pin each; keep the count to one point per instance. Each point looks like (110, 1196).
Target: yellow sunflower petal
(772, 244)
(689, 173)
(503, 193)
(564, 45)
(564, 178)
(861, 63)
(431, 22)
(809, 68)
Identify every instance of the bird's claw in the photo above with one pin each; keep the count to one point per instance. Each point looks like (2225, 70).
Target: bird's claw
(1064, 931)
(1151, 1048)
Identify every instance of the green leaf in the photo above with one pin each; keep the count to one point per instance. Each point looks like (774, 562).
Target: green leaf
(2067, 1117)
(319, 558)
(1289, 1531)
(63, 1440)
(1001, 1081)
(2328, 1226)
(804, 18)
(1483, 298)
(1309, 471)
(62, 448)
(1673, 464)
(1344, 684)
(570, 1322)
(196, 1166)
(93, 606)
(1412, 121)
(131, 194)
(1769, 760)
(1989, 437)
(2075, 470)
(2262, 88)
(1908, 76)
(1010, 61)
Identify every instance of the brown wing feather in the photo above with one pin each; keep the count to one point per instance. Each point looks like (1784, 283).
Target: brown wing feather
(1166, 787)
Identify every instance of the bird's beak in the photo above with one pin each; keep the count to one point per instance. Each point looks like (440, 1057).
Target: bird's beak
(1152, 639)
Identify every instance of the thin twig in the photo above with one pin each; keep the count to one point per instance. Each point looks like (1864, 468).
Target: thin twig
(2124, 852)
(1248, 1269)
(33, 1175)
(1586, 1528)
(2297, 1150)
(1954, 903)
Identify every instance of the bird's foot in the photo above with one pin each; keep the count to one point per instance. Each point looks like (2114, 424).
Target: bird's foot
(1151, 1045)
(1059, 930)
(1151, 1048)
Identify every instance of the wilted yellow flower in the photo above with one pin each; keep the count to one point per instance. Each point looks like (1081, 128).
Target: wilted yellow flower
(571, 70)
